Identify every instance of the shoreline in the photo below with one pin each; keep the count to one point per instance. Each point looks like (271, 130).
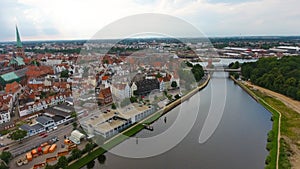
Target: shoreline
(132, 130)
(276, 116)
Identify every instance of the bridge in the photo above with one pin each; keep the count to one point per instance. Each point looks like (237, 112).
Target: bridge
(221, 69)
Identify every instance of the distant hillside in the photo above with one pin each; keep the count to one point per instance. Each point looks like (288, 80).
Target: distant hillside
(280, 75)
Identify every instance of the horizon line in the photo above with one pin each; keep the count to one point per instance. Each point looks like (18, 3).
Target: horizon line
(208, 37)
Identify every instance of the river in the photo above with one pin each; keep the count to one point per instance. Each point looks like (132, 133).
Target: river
(238, 142)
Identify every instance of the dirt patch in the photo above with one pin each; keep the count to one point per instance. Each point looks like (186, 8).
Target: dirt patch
(294, 104)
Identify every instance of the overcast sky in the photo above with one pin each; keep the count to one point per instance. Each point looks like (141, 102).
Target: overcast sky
(81, 19)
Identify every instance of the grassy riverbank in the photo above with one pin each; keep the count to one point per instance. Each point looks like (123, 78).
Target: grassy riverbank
(132, 130)
(272, 145)
(289, 130)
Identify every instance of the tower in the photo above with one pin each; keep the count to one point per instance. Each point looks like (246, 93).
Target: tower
(20, 50)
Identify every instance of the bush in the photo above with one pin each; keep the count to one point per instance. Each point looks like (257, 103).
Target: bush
(269, 146)
(268, 160)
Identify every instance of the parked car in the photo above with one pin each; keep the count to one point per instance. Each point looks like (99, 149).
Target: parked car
(5, 148)
(45, 135)
(41, 134)
(53, 140)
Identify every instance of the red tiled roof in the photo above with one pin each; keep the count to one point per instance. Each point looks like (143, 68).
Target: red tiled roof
(105, 77)
(12, 87)
(38, 71)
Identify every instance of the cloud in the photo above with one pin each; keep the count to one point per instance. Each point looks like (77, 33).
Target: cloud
(81, 19)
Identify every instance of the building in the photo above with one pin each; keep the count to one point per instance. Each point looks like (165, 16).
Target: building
(9, 78)
(121, 91)
(20, 50)
(4, 113)
(110, 123)
(47, 122)
(60, 114)
(76, 137)
(105, 96)
(33, 129)
(145, 86)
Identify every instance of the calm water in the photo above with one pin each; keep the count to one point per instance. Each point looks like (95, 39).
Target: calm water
(238, 142)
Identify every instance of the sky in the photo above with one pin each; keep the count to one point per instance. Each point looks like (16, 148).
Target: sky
(81, 19)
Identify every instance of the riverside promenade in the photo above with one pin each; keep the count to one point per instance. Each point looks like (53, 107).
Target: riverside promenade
(119, 138)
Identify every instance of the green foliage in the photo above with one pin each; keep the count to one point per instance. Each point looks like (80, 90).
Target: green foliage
(6, 156)
(90, 164)
(76, 153)
(64, 74)
(74, 114)
(3, 166)
(234, 65)
(280, 75)
(18, 134)
(198, 72)
(88, 148)
(48, 166)
(113, 106)
(174, 84)
(158, 75)
(133, 99)
(62, 162)
(284, 155)
(101, 158)
(189, 64)
(75, 125)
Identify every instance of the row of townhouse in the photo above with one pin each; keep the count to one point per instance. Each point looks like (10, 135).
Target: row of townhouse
(33, 107)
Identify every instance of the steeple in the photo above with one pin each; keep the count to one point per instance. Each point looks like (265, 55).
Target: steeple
(19, 43)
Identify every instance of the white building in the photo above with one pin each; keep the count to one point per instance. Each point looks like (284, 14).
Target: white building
(121, 91)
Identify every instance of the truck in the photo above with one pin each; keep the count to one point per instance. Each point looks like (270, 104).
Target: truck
(46, 149)
(62, 153)
(50, 159)
(52, 148)
(29, 156)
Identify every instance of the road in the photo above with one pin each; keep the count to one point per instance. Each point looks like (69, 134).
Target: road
(28, 144)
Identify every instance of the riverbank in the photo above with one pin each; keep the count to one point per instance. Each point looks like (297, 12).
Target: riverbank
(288, 154)
(86, 158)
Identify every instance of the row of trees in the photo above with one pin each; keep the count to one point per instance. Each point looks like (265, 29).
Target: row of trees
(280, 75)
(189, 77)
(75, 154)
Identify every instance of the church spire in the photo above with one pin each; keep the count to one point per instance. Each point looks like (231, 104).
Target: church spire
(19, 43)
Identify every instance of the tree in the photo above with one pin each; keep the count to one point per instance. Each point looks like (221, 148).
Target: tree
(133, 99)
(62, 162)
(76, 153)
(48, 166)
(174, 84)
(75, 125)
(3, 165)
(177, 96)
(91, 164)
(88, 147)
(18, 134)
(6, 156)
(113, 106)
(64, 74)
(101, 158)
(158, 75)
(74, 115)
